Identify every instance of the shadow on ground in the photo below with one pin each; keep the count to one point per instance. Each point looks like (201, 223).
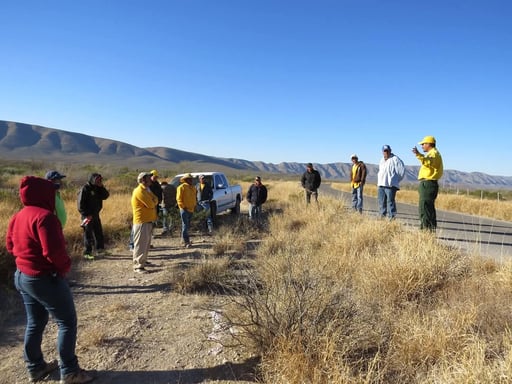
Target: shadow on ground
(245, 372)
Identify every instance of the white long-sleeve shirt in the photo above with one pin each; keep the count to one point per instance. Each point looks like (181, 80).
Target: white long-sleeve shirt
(391, 172)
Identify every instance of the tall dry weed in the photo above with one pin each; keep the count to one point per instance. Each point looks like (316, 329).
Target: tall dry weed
(340, 297)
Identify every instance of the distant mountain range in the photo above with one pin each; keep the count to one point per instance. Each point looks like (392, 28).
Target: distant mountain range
(20, 141)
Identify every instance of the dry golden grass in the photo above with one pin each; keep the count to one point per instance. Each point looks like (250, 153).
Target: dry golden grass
(339, 297)
(208, 276)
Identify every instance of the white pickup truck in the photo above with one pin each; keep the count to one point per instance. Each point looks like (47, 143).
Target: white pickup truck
(225, 197)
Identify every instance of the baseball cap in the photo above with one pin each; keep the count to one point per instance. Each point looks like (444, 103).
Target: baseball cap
(142, 175)
(309, 165)
(428, 140)
(386, 148)
(354, 156)
(54, 175)
(257, 178)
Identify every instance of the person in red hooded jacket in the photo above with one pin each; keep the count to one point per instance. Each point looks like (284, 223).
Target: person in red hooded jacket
(35, 239)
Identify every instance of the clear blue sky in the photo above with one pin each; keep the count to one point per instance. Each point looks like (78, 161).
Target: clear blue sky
(269, 80)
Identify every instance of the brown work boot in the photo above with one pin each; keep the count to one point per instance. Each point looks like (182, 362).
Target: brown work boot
(44, 371)
(79, 377)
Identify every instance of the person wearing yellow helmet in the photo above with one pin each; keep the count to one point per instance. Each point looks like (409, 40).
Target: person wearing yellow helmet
(431, 170)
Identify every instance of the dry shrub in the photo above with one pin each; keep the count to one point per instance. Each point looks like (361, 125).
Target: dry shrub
(208, 276)
(408, 267)
(9, 205)
(340, 297)
(228, 243)
(289, 363)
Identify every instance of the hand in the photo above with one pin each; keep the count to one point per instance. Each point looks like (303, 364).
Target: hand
(415, 150)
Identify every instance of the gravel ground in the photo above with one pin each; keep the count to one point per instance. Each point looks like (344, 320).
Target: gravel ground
(134, 328)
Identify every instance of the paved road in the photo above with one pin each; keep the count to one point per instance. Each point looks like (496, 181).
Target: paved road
(474, 234)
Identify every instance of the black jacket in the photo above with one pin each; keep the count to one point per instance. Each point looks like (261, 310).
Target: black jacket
(206, 194)
(257, 195)
(311, 180)
(90, 198)
(156, 188)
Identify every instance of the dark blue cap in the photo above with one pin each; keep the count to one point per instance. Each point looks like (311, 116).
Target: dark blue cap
(54, 175)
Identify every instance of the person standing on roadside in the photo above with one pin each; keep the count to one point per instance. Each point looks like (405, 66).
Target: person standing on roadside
(204, 196)
(357, 181)
(256, 196)
(156, 188)
(35, 239)
(167, 206)
(60, 209)
(391, 172)
(431, 170)
(90, 203)
(143, 204)
(186, 199)
(311, 181)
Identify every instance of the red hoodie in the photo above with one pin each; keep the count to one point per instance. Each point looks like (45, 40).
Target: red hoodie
(34, 235)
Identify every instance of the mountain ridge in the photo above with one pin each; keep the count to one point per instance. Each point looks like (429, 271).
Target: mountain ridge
(20, 141)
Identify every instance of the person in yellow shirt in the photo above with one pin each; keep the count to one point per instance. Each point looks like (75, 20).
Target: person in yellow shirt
(187, 200)
(431, 170)
(144, 204)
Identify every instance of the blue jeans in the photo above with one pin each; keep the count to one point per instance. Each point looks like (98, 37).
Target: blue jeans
(205, 205)
(254, 211)
(186, 216)
(131, 241)
(357, 198)
(386, 199)
(44, 295)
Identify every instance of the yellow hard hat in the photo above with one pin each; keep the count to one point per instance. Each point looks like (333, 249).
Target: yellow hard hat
(428, 140)
(154, 173)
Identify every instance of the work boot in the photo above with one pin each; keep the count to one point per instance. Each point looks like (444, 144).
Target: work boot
(79, 377)
(43, 372)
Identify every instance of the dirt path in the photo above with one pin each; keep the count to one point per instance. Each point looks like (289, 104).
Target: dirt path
(134, 328)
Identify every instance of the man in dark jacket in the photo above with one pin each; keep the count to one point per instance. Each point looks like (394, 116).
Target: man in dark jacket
(204, 197)
(156, 188)
(90, 203)
(256, 196)
(168, 207)
(311, 181)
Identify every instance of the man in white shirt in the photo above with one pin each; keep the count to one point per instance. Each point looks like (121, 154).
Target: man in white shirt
(391, 172)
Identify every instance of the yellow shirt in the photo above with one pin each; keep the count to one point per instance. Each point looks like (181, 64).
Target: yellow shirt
(353, 184)
(186, 197)
(144, 204)
(431, 165)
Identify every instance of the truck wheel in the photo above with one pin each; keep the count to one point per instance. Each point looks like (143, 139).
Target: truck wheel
(236, 209)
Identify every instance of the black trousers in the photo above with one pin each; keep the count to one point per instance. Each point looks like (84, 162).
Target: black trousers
(428, 190)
